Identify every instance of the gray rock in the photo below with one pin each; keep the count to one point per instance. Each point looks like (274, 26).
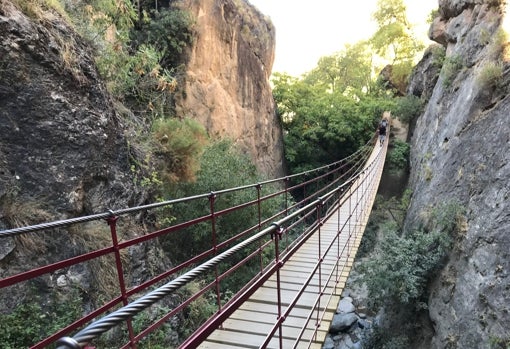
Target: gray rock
(357, 345)
(7, 245)
(328, 343)
(460, 151)
(345, 306)
(342, 322)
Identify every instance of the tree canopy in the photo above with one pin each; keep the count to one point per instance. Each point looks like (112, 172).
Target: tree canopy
(329, 112)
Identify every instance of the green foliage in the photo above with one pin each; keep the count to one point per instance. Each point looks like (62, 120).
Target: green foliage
(322, 127)
(221, 166)
(499, 343)
(178, 147)
(408, 108)
(432, 15)
(138, 78)
(32, 321)
(498, 48)
(390, 11)
(394, 38)
(198, 311)
(490, 75)
(381, 338)
(401, 71)
(169, 31)
(157, 339)
(403, 264)
(348, 72)
(451, 67)
(398, 156)
(439, 55)
(399, 273)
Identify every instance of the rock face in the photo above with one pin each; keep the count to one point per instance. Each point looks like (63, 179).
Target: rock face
(226, 87)
(461, 151)
(61, 144)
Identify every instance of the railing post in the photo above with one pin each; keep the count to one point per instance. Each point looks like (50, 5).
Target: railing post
(261, 260)
(112, 222)
(320, 205)
(212, 200)
(286, 182)
(277, 236)
(339, 233)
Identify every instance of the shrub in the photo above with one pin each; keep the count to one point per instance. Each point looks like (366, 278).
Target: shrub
(451, 67)
(438, 55)
(407, 108)
(178, 147)
(432, 15)
(403, 264)
(170, 31)
(490, 75)
(222, 166)
(33, 320)
(139, 79)
(398, 156)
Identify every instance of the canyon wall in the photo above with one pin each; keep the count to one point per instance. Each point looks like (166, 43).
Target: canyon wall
(226, 85)
(461, 153)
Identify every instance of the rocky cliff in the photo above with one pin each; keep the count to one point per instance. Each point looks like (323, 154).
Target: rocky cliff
(226, 86)
(461, 151)
(64, 145)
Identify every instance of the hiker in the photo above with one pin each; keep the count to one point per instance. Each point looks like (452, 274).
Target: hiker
(382, 131)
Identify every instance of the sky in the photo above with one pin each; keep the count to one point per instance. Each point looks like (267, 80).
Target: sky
(308, 30)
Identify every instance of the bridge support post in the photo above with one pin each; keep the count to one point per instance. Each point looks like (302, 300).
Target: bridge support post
(112, 222)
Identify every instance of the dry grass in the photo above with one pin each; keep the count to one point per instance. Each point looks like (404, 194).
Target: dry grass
(490, 74)
(21, 214)
(92, 236)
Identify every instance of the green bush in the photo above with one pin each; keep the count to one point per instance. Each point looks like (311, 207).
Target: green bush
(398, 156)
(402, 264)
(490, 75)
(451, 67)
(222, 166)
(408, 108)
(178, 147)
(170, 31)
(138, 79)
(31, 321)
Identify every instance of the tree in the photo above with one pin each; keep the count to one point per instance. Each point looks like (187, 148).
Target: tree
(322, 126)
(394, 38)
(395, 41)
(346, 71)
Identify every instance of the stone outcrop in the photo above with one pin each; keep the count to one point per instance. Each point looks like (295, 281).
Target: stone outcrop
(226, 86)
(61, 143)
(425, 73)
(461, 151)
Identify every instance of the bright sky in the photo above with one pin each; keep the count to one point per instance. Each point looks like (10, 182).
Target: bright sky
(308, 30)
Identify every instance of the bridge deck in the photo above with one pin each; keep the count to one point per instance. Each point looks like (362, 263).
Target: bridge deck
(249, 325)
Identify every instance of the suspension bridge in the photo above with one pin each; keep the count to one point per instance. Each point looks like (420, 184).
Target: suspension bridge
(295, 259)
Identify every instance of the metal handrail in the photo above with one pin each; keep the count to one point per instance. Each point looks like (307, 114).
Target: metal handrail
(111, 216)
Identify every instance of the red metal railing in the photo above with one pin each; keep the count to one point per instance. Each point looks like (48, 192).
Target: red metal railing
(266, 235)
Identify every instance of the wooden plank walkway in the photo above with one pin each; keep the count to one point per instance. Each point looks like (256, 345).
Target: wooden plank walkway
(306, 326)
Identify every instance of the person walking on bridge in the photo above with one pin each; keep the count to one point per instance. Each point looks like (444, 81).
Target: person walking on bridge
(382, 131)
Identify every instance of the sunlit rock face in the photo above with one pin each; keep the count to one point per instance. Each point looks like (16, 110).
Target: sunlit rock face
(461, 151)
(226, 87)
